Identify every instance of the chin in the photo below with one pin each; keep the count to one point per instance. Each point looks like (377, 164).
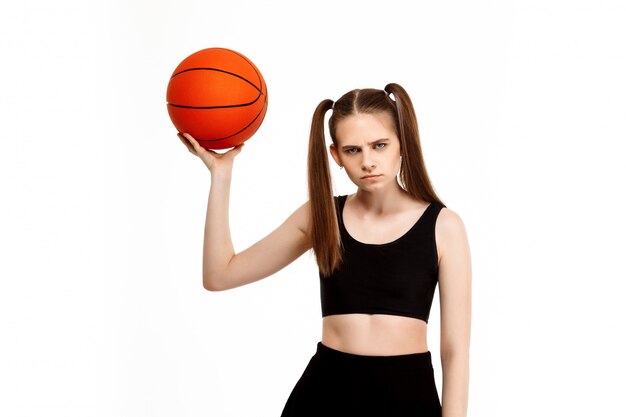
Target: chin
(373, 186)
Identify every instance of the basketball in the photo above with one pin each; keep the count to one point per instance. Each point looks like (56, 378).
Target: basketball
(218, 96)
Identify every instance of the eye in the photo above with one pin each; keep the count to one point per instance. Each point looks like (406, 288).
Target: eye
(380, 145)
(352, 150)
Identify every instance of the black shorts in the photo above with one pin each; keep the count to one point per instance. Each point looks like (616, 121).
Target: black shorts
(336, 383)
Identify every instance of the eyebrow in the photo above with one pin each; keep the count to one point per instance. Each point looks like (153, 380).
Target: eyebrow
(369, 143)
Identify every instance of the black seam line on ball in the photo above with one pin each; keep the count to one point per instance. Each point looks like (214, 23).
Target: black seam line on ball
(255, 70)
(230, 106)
(236, 133)
(220, 70)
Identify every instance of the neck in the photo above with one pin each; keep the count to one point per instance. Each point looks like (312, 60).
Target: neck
(381, 201)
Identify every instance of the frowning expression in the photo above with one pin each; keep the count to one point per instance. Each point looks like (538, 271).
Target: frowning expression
(368, 148)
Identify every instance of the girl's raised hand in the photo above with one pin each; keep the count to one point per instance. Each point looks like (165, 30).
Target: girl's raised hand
(215, 161)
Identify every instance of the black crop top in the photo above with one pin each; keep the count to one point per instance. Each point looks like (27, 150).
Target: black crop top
(397, 278)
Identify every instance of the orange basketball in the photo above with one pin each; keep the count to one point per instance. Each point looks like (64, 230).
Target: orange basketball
(218, 96)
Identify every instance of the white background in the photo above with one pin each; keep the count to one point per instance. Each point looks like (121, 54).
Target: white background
(521, 107)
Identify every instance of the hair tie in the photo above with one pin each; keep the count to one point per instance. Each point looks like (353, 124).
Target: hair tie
(388, 94)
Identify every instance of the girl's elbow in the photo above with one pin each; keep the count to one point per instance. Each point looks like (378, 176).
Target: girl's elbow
(210, 283)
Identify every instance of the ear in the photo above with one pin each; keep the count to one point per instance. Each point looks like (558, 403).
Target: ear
(335, 154)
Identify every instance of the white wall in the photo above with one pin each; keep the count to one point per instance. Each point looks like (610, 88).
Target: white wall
(521, 107)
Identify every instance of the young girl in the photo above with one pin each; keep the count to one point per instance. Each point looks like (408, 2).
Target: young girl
(380, 251)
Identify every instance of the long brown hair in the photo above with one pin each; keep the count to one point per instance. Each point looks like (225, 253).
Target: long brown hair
(413, 178)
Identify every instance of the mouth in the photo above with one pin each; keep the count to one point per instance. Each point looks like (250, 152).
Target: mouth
(370, 176)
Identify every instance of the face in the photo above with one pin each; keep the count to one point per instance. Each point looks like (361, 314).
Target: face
(368, 149)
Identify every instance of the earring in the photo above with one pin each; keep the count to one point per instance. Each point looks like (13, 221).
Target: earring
(340, 166)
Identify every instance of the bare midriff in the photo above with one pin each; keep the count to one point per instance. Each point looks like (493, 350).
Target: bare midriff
(374, 334)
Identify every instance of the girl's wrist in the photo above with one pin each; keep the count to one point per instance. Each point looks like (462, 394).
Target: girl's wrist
(222, 176)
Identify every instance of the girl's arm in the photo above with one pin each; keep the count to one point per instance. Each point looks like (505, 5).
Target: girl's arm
(224, 269)
(455, 276)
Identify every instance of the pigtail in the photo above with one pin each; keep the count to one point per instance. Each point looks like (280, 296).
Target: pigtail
(324, 230)
(413, 174)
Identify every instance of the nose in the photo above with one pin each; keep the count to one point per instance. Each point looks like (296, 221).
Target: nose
(367, 163)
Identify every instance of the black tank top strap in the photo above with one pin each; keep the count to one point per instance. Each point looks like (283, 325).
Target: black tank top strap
(431, 213)
(340, 202)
